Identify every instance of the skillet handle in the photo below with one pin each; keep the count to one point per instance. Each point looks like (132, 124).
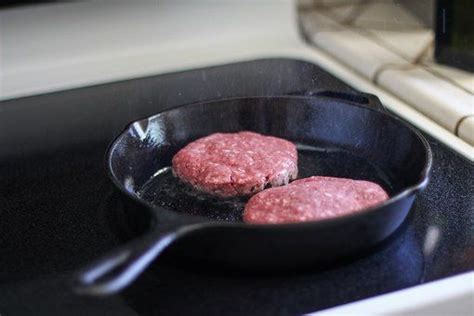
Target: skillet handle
(119, 268)
(362, 98)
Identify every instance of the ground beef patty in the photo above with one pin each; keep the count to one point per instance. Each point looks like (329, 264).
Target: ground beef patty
(311, 199)
(236, 163)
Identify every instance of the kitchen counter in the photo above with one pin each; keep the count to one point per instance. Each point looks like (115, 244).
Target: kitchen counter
(389, 46)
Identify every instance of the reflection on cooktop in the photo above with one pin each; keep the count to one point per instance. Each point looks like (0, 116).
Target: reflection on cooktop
(396, 264)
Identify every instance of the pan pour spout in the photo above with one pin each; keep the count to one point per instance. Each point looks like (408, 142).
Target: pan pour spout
(119, 268)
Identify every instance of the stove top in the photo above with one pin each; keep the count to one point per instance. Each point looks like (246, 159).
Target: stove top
(56, 204)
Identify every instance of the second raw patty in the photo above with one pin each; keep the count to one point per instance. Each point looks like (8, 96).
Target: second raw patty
(313, 198)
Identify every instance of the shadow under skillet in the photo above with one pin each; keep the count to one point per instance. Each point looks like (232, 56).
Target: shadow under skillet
(175, 286)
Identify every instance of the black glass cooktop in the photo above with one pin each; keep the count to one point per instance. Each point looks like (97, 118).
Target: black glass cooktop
(57, 207)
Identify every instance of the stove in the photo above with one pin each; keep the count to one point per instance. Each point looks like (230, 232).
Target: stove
(56, 204)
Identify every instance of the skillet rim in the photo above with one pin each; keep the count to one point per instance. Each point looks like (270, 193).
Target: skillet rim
(413, 189)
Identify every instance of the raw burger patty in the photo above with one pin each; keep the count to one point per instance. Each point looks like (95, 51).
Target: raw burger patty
(312, 199)
(236, 163)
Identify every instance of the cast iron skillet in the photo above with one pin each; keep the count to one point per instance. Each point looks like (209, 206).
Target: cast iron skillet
(337, 135)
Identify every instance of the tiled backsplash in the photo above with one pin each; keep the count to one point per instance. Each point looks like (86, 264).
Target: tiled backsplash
(388, 44)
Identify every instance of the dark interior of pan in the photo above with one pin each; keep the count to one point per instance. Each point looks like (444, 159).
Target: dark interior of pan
(334, 138)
